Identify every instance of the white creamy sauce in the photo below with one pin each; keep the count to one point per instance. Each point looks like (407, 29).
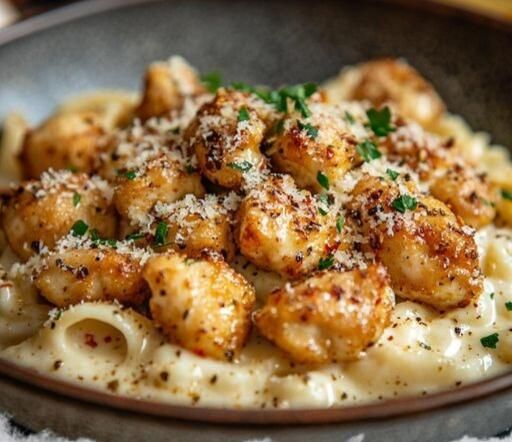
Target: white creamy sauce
(110, 348)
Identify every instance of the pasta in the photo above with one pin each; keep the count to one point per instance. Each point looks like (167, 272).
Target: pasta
(244, 247)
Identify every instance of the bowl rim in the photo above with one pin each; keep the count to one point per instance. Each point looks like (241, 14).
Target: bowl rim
(384, 409)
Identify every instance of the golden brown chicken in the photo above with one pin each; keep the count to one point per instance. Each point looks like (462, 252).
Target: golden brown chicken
(321, 147)
(201, 304)
(166, 86)
(329, 317)
(395, 81)
(284, 229)
(91, 274)
(64, 141)
(38, 213)
(226, 136)
(429, 255)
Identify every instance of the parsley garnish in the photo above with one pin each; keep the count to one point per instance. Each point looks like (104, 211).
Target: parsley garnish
(491, 295)
(393, 174)
(508, 305)
(325, 263)
(279, 127)
(190, 169)
(76, 199)
(490, 341)
(312, 131)
(212, 81)
(323, 180)
(161, 233)
(243, 114)
(130, 174)
(368, 150)
(279, 98)
(135, 236)
(72, 169)
(326, 202)
(506, 194)
(404, 203)
(79, 228)
(340, 222)
(349, 118)
(95, 237)
(242, 166)
(380, 121)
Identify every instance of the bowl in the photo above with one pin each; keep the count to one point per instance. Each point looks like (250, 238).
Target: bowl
(107, 43)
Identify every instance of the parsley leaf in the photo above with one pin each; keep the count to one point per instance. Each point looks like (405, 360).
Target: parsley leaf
(242, 166)
(349, 118)
(393, 174)
(135, 236)
(79, 228)
(76, 199)
(325, 202)
(380, 121)
(506, 194)
(323, 180)
(130, 174)
(368, 150)
(95, 237)
(310, 130)
(212, 81)
(161, 233)
(508, 305)
(340, 222)
(279, 127)
(490, 341)
(404, 203)
(243, 114)
(491, 295)
(190, 169)
(325, 263)
(72, 169)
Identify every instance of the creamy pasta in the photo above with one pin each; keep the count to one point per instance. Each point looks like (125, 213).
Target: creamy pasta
(161, 306)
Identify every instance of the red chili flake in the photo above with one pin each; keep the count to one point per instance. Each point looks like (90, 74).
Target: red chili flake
(199, 352)
(107, 339)
(90, 341)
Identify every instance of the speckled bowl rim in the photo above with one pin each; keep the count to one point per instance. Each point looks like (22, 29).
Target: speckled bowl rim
(383, 409)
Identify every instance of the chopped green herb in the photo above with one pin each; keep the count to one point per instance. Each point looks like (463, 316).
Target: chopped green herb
(404, 203)
(425, 346)
(380, 121)
(490, 341)
(95, 237)
(508, 305)
(279, 127)
(506, 194)
(349, 117)
(491, 295)
(161, 233)
(279, 98)
(393, 174)
(326, 263)
(212, 81)
(76, 199)
(242, 166)
(79, 228)
(325, 202)
(323, 180)
(368, 150)
(130, 174)
(312, 131)
(72, 169)
(135, 236)
(243, 114)
(340, 222)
